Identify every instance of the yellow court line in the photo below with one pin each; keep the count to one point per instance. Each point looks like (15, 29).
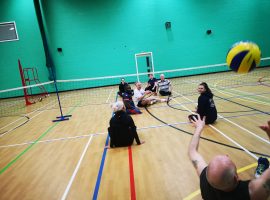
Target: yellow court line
(197, 192)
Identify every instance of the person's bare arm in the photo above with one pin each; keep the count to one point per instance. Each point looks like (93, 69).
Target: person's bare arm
(157, 87)
(196, 158)
(259, 189)
(266, 128)
(143, 96)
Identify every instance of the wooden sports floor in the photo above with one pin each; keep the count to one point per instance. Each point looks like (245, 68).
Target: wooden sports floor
(43, 160)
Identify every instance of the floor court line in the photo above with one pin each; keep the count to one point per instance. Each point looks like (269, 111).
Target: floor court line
(88, 135)
(109, 96)
(243, 97)
(21, 124)
(131, 175)
(197, 192)
(246, 130)
(100, 171)
(30, 146)
(54, 102)
(102, 133)
(64, 196)
(248, 152)
(24, 116)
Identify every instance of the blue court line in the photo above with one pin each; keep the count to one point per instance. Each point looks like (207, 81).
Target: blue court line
(95, 195)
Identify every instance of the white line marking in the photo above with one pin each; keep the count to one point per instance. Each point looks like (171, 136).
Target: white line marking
(76, 170)
(253, 155)
(26, 115)
(82, 136)
(96, 134)
(28, 120)
(228, 138)
(109, 96)
(244, 97)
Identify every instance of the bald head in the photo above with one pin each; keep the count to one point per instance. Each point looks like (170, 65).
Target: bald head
(221, 173)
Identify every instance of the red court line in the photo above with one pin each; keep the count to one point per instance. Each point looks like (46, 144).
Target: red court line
(131, 175)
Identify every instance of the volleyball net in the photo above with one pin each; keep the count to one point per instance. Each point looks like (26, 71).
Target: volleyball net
(103, 90)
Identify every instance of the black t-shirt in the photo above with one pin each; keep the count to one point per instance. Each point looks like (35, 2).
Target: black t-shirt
(152, 82)
(122, 87)
(206, 107)
(241, 192)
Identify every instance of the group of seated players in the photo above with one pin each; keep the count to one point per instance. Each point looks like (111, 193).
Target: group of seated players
(144, 97)
(219, 178)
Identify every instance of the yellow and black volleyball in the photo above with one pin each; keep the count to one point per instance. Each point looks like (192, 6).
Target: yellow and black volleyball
(243, 56)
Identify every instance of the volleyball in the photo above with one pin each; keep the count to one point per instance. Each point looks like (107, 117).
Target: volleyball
(243, 56)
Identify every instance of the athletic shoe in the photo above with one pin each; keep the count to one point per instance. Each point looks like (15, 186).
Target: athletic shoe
(263, 164)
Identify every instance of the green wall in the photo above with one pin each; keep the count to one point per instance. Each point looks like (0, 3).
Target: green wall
(28, 48)
(100, 37)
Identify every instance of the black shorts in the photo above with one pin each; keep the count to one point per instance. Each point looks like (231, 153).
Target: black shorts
(163, 93)
(140, 104)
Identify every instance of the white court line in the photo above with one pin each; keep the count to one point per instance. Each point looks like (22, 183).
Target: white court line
(25, 115)
(52, 140)
(21, 117)
(228, 138)
(55, 102)
(251, 133)
(23, 123)
(94, 134)
(109, 96)
(244, 97)
(221, 117)
(76, 170)
(253, 155)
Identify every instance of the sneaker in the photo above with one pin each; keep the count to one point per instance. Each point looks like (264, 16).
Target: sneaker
(263, 164)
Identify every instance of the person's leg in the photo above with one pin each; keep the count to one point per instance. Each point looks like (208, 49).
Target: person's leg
(156, 99)
(143, 103)
(146, 102)
(148, 88)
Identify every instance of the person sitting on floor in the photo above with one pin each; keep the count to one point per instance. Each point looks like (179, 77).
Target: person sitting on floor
(129, 103)
(219, 178)
(122, 129)
(141, 96)
(164, 86)
(206, 105)
(122, 87)
(151, 85)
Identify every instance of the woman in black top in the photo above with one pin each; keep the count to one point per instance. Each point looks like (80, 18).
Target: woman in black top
(122, 129)
(206, 105)
(122, 87)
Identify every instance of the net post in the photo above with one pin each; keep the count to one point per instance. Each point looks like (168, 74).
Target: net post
(27, 102)
(137, 70)
(61, 117)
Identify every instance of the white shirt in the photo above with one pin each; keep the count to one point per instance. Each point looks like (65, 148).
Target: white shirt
(138, 94)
